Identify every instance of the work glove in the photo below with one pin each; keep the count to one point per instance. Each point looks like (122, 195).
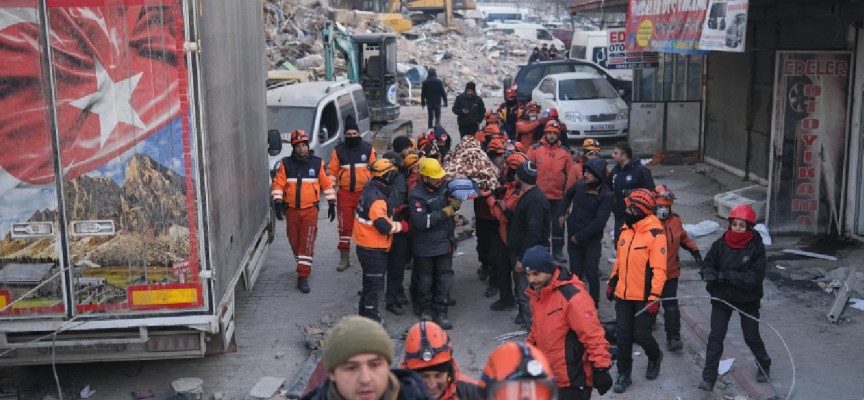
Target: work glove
(401, 211)
(331, 210)
(708, 274)
(653, 308)
(602, 380)
(449, 211)
(279, 209)
(696, 256)
(610, 291)
(456, 204)
(405, 227)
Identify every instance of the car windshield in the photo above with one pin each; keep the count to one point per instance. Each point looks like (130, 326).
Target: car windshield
(585, 89)
(288, 119)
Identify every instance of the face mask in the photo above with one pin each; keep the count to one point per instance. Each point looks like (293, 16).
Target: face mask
(511, 102)
(353, 141)
(663, 212)
(511, 175)
(631, 219)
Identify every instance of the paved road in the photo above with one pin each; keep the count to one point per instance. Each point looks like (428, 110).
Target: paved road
(270, 343)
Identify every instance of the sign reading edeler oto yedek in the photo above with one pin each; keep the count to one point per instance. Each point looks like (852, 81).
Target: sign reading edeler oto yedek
(811, 108)
(617, 56)
(687, 26)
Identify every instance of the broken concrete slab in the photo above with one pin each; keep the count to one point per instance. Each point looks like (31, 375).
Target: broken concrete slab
(188, 385)
(842, 296)
(266, 388)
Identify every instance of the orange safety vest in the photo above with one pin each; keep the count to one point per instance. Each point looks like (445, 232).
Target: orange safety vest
(299, 182)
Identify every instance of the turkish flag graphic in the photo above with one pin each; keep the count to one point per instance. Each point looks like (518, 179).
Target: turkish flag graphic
(117, 71)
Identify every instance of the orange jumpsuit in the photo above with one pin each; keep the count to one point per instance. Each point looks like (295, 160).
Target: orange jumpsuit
(349, 171)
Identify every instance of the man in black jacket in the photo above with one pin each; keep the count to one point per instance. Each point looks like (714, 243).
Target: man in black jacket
(591, 206)
(433, 240)
(530, 225)
(432, 95)
(469, 109)
(628, 174)
(400, 250)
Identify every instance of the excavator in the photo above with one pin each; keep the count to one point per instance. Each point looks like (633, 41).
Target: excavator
(370, 59)
(428, 8)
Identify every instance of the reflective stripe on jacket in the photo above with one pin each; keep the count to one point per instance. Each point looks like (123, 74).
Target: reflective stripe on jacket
(641, 264)
(298, 182)
(373, 222)
(349, 166)
(567, 330)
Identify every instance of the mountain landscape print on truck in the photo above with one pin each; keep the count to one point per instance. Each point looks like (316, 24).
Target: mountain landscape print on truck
(123, 146)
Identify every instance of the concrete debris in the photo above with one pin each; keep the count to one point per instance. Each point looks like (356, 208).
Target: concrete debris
(266, 388)
(279, 355)
(188, 385)
(218, 396)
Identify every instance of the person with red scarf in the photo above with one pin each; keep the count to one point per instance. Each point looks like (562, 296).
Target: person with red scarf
(734, 269)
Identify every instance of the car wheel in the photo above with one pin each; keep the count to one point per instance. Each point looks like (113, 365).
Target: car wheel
(722, 24)
(796, 99)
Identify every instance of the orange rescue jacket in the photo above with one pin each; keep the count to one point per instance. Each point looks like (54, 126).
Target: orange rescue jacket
(641, 264)
(525, 131)
(676, 237)
(553, 165)
(373, 222)
(299, 182)
(511, 198)
(567, 330)
(349, 166)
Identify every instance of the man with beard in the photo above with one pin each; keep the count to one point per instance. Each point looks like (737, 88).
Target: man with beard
(296, 192)
(566, 327)
(348, 169)
(469, 110)
(510, 111)
(553, 164)
(433, 240)
(628, 174)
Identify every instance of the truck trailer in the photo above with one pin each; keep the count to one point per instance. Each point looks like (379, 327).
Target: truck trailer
(133, 144)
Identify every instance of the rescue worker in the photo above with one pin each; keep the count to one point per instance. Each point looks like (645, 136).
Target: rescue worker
(357, 359)
(636, 282)
(433, 240)
(374, 234)
(487, 227)
(734, 269)
(469, 110)
(552, 115)
(529, 226)
(510, 111)
(411, 162)
(403, 146)
(492, 119)
(676, 238)
(553, 164)
(488, 133)
(433, 95)
(566, 327)
(628, 174)
(400, 249)
(501, 204)
(348, 169)
(296, 192)
(443, 141)
(590, 151)
(590, 205)
(518, 371)
(531, 126)
(429, 353)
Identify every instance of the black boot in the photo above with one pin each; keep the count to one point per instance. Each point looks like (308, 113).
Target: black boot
(491, 291)
(499, 305)
(763, 373)
(395, 308)
(653, 368)
(482, 274)
(622, 382)
(303, 285)
(443, 322)
(401, 299)
(706, 386)
(673, 341)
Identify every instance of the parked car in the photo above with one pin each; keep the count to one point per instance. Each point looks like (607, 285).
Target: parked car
(587, 103)
(530, 75)
(319, 108)
(565, 35)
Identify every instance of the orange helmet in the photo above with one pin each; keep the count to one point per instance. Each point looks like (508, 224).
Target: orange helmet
(519, 147)
(591, 145)
(493, 129)
(517, 371)
(299, 136)
(665, 197)
(515, 159)
(495, 146)
(427, 345)
(552, 126)
(532, 106)
(642, 199)
(411, 160)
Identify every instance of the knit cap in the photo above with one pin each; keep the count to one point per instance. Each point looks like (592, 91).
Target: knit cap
(538, 259)
(527, 172)
(356, 335)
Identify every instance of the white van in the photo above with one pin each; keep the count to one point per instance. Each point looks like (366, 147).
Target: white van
(319, 108)
(532, 32)
(594, 46)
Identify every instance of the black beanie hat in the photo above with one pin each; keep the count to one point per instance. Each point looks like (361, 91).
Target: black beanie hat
(401, 143)
(351, 124)
(527, 172)
(471, 86)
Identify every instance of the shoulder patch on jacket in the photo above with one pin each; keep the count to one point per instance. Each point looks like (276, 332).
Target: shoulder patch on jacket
(655, 232)
(568, 291)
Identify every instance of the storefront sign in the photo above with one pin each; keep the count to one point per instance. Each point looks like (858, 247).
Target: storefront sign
(618, 57)
(687, 26)
(811, 108)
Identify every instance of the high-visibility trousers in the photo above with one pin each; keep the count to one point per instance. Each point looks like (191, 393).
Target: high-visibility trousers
(346, 206)
(302, 232)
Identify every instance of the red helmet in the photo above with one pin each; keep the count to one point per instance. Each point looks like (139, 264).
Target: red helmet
(552, 126)
(509, 93)
(299, 136)
(513, 160)
(552, 113)
(517, 371)
(642, 199)
(532, 106)
(427, 345)
(745, 212)
(665, 197)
